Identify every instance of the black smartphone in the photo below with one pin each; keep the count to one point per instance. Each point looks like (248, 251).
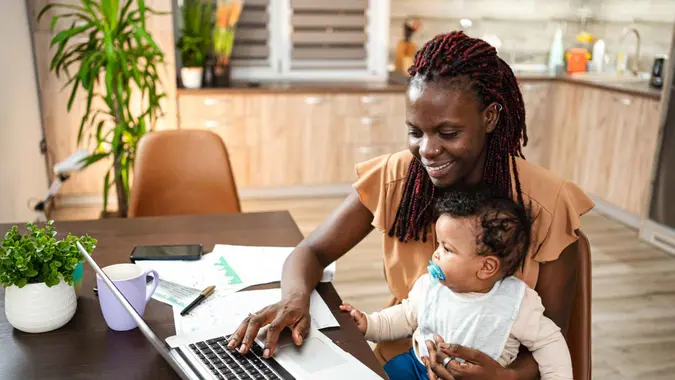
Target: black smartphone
(167, 252)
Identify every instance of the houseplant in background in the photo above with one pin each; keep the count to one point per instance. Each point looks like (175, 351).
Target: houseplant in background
(227, 17)
(195, 41)
(37, 273)
(108, 55)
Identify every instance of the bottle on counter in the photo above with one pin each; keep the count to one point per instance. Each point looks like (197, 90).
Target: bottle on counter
(556, 58)
(598, 55)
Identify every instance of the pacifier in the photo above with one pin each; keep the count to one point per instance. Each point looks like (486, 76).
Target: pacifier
(435, 271)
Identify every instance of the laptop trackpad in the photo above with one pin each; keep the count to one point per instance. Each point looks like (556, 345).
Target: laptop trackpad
(313, 356)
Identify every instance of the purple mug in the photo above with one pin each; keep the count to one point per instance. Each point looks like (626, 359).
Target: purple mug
(130, 280)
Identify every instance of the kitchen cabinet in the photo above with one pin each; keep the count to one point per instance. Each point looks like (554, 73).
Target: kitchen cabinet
(295, 140)
(536, 96)
(605, 142)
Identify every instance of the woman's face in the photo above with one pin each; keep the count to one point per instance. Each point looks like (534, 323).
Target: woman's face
(447, 130)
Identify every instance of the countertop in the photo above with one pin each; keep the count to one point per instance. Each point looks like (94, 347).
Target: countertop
(397, 84)
(628, 86)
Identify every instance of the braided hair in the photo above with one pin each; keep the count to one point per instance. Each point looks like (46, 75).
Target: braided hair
(456, 55)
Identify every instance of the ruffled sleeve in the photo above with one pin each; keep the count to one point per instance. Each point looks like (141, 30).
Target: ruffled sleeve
(371, 187)
(570, 205)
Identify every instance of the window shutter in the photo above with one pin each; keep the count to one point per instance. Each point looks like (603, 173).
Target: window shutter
(251, 39)
(329, 34)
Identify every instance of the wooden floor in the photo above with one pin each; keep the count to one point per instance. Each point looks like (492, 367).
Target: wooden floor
(633, 288)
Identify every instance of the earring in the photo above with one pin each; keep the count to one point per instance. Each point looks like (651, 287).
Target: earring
(499, 107)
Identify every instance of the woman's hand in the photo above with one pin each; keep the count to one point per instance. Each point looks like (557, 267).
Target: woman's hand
(292, 313)
(477, 365)
(357, 316)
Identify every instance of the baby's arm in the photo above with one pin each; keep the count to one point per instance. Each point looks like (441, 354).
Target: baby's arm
(396, 322)
(543, 338)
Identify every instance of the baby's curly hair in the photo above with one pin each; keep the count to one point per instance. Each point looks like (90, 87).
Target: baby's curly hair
(505, 226)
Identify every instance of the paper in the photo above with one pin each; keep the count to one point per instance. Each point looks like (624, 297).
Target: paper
(223, 311)
(260, 265)
(174, 294)
(211, 269)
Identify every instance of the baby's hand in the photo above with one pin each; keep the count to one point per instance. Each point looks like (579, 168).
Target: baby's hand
(359, 317)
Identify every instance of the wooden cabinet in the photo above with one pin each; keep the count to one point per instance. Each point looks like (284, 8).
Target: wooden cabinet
(605, 141)
(374, 125)
(297, 140)
(538, 108)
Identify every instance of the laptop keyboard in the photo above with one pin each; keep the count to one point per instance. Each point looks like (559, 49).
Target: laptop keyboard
(225, 363)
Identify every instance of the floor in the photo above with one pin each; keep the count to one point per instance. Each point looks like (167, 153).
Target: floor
(633, 288)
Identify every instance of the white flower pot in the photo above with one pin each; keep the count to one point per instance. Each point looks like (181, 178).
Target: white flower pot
(191, 77)
(36, 308)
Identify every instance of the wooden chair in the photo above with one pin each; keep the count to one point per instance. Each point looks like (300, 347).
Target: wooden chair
(182, 172)
(579, 332)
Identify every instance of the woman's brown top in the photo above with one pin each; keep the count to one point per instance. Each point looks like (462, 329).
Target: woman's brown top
(556, 206)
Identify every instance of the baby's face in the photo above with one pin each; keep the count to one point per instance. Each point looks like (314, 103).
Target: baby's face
(456, 253)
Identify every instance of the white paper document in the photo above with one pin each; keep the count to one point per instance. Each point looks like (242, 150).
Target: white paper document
(223, 310)
(174, 294)
(260, 265)
(198, 274)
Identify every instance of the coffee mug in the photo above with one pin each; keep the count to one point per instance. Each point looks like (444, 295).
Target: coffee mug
(130, 280)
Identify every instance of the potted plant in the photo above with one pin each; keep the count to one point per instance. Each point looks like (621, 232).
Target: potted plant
(227, 16)
(110, 57)
(194, 41)
(37, 273)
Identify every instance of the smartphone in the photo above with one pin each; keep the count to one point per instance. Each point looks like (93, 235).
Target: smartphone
(167, 252)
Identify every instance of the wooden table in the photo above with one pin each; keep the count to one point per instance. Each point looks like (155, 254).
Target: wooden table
(86, 348)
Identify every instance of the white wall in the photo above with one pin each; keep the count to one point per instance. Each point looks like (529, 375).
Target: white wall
(526, 27)
(22, 168)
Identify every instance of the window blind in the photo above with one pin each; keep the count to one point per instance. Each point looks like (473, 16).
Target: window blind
(329, 34)
(251, 40)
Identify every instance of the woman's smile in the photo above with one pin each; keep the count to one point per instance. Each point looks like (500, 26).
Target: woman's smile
(438, 170)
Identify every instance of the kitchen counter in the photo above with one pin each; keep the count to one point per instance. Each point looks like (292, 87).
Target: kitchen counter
(299, 87)
(397, 84)
(627, 86)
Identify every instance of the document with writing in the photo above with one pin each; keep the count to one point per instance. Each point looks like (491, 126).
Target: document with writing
(221, 311)
(260, 265)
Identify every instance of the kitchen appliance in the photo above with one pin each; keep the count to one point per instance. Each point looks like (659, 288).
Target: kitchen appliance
(659, 228)
(658, 71)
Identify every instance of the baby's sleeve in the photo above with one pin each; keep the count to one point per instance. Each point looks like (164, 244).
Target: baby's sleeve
(399, 321)
(543, 338)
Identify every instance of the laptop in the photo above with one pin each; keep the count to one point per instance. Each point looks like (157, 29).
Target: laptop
(204, 354)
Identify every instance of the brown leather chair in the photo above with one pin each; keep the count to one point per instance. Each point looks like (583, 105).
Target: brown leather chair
(182, 172)
(579, 332)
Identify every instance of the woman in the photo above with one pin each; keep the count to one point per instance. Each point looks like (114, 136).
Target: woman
(466, 120)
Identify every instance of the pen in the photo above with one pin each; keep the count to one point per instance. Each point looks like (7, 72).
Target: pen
(205, 293)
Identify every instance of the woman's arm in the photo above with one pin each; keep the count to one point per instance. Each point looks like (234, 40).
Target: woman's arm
(556, 285)
(340, 232)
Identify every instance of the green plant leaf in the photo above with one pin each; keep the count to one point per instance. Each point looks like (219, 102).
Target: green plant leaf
(68, 33)
(116, 61)
(73, 92)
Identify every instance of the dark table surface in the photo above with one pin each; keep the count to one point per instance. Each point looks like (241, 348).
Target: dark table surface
(86, 348)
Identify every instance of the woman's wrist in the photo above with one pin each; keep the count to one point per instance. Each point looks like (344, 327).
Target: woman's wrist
(510, 374)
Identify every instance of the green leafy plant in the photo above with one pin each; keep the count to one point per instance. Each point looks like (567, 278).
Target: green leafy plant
(195, 38)
(37, 256)
(108, 54)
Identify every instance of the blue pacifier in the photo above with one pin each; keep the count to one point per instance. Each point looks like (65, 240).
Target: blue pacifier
(435, 271)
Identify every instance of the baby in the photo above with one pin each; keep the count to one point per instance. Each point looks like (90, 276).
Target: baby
(470, 296)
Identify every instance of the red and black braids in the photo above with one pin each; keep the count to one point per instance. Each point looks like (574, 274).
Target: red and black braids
(455, 55)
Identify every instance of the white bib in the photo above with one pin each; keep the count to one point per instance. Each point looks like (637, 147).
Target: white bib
(479, 321)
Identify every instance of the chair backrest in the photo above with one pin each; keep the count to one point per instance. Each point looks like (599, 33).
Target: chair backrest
(182, 172)
(579, 332)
